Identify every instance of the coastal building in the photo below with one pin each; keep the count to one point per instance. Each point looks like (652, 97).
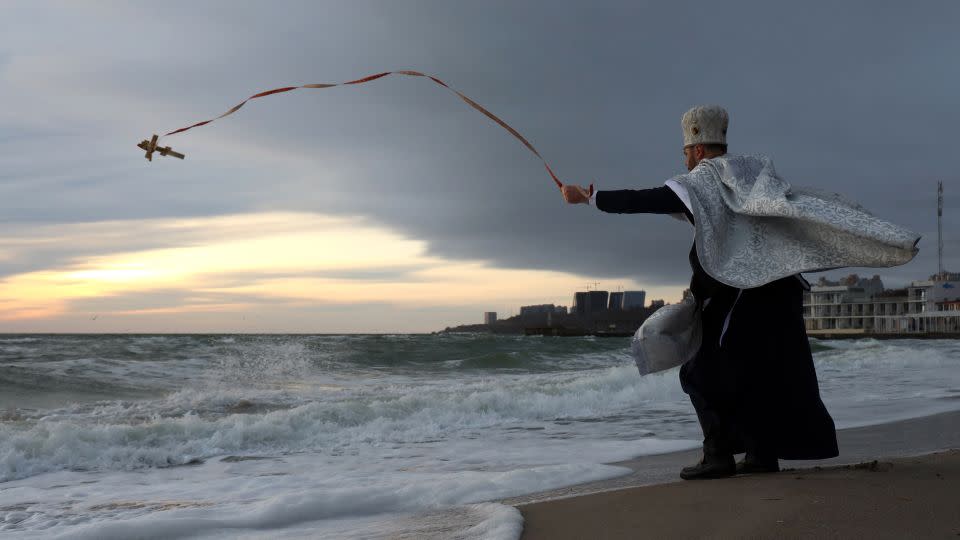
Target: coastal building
(948, 305)
(633, 300)
(657, 304)
(585, 303)
(579, 306)
(543, 309)
(489, 317)
(616, 301)
(597, 301)
(860, 306)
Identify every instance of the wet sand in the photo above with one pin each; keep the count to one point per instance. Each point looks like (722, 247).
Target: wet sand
(916, 497)
(897, 480)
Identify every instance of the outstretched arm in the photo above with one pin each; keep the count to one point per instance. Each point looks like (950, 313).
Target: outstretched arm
(661, 200)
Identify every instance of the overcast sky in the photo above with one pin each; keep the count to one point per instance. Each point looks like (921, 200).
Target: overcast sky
(392, 206)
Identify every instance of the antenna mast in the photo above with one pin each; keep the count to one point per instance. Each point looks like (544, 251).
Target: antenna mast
(940, 229)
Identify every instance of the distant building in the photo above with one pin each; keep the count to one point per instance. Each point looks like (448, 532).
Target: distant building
(657, 304)
(585, 303)
(870, 286)
(597, 301)
(948, 305)
(579, 306)
(855, 306)
(542, 309)
(616, 301)
(489, 317)
(633, 300)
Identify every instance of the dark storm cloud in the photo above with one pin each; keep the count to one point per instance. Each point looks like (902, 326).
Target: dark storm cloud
(857, 98)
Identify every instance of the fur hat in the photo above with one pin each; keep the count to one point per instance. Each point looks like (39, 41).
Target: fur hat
(705, 124)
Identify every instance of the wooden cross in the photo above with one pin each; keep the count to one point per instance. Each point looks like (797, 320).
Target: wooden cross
(151, 146)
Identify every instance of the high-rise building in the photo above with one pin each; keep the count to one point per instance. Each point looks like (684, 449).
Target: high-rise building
(579, 303)
(597, 301)
(616, 301)
(588, 302)
(489, 317)
(633, 299)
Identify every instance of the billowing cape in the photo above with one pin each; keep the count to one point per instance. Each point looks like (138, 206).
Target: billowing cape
(752, 227)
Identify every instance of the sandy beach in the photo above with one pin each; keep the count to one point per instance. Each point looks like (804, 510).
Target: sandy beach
(898, 480)
(901, 498)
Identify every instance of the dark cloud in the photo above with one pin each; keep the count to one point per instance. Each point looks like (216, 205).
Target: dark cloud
(855, 97)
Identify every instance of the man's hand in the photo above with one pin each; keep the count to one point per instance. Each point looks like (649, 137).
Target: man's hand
(575, 194)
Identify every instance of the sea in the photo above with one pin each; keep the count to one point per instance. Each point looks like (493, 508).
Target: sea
(361, 436)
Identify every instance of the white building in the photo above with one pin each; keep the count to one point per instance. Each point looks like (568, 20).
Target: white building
(858, 307)
(489, 317)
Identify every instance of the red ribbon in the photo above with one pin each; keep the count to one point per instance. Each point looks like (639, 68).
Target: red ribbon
(369, 78)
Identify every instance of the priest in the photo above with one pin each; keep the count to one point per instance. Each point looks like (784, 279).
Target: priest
(752, 380)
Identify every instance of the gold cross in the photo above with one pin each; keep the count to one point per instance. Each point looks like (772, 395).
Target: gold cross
(151, 146)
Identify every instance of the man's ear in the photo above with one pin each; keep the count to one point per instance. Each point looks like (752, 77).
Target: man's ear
(699, 151)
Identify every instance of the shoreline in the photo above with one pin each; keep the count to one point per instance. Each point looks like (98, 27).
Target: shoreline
(906, 497)
(900, 438)
(892, 480)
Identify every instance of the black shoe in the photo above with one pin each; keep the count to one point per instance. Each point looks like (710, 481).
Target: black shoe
(710, 467)
(752, 465)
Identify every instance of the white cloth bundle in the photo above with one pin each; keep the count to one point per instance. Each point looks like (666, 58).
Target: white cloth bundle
(668, 338)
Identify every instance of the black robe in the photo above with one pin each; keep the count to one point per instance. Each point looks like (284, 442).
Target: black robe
(756, 390)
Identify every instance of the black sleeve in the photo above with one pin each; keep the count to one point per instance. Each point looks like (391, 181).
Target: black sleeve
(661, 200)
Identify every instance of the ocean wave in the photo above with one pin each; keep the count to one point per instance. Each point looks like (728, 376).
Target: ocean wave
(22, 387)
(872, 353)
(25, 339)
(280, 395)
(447, 505)
(196, 423)
(368, 436)
(858, 344)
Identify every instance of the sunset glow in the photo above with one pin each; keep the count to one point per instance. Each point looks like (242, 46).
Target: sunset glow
(240, 264)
